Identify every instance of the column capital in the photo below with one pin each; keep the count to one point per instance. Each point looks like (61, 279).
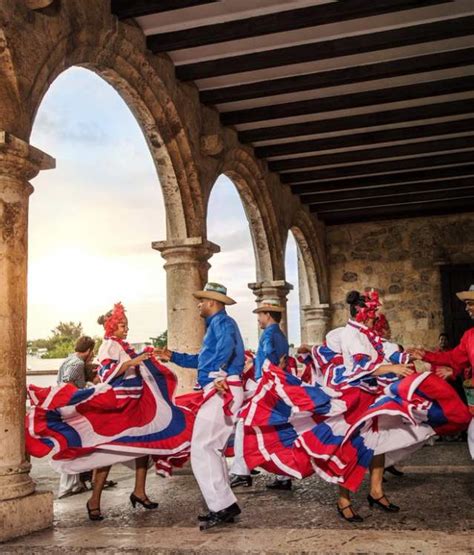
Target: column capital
(273, 289)
(195, 248)
(278, 287)
(318, 312)
(18, 159)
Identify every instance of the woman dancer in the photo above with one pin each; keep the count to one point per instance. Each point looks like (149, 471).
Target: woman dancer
(127, 417)
(386, 408)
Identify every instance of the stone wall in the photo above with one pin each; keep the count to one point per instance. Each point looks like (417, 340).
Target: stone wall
(401, 259)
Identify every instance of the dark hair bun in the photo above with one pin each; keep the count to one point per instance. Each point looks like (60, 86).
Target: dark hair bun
(353, 297)
(101, 319)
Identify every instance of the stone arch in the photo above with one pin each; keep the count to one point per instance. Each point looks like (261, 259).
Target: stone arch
(313, 258)
(125, 66)
(313, 279)
(247, 176)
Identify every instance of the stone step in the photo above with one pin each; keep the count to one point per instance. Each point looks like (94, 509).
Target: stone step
(239, 541)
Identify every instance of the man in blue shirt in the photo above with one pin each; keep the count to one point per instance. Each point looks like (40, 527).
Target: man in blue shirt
(220, 364)
(272, 346)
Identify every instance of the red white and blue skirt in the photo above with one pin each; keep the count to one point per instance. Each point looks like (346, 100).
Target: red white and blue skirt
(295, 429)
(111, 422)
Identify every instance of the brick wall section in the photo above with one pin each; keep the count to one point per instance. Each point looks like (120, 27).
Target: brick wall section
(401, 259)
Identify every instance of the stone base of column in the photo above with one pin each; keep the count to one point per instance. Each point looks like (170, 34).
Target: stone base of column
(25, 515)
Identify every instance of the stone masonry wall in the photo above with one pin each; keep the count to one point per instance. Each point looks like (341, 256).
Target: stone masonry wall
(401, 259)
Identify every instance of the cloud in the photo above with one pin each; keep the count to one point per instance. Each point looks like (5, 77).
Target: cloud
(62, 128)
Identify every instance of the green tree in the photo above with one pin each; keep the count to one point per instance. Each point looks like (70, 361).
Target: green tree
(161, 340)
(68, 329)
(61, 342)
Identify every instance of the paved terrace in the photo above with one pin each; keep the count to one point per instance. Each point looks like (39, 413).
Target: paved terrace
(437, 516)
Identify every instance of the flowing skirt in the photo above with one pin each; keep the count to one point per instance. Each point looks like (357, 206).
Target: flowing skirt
(295, 429)
(104, 424)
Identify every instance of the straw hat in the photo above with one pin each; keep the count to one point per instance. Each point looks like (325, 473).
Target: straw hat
(466, 295)
(214, 292)
(269, 305)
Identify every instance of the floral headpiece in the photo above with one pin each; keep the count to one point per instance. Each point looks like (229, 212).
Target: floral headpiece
(111, 323)
(371, 305)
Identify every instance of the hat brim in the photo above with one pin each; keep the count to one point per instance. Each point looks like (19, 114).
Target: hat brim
(214, 296)
(465, 295)
(268, 308)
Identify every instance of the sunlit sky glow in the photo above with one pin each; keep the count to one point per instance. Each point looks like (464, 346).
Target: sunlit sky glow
(93, 218)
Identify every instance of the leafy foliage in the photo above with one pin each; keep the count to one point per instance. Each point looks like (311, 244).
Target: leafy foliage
(161, 340)
(61, 342)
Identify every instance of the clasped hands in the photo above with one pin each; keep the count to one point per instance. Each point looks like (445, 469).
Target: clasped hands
(164, 354)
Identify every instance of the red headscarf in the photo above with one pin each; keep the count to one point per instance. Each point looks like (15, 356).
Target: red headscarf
(112, 322)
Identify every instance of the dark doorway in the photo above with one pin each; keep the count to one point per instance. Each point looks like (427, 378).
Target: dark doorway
(454, 278)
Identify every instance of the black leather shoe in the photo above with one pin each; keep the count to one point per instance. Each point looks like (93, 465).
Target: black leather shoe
(284, 485)
(349, 514)
(226, 516)
(394, 471)
(390, 508)
(94, 514)
(205, 518)
(236, 481)
(255, 472)
(150, 505)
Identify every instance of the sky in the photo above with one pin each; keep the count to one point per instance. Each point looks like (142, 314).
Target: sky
(93, 218)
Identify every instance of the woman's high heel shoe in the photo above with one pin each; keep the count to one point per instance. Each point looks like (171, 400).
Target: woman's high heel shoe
(390, 508)
(94, 514)
(354, 518)
(147, 504)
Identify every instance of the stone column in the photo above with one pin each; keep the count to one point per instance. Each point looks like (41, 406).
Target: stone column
(21, 511)
(315, 323)
(186, 271)
(273, 290)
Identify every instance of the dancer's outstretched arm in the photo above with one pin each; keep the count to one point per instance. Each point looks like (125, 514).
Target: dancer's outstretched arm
(457, 358)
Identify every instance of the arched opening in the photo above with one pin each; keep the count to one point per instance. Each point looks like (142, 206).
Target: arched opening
(293, 271)
(229, 225)
(93, 218)
(312, 284)
(246, 175)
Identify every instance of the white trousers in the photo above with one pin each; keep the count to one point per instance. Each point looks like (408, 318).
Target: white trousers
(211, 433)
(239, 466)
(68, 483)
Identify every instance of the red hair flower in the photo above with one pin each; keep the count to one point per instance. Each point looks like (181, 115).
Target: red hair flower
(371, 305)
(112, 322)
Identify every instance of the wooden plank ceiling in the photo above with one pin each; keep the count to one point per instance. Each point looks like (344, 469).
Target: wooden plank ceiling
(364, 108)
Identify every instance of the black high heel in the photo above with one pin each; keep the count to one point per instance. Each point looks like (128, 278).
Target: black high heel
(147, 504)
(354, 518)
(97, 516)
(390, 508)
(394, 471)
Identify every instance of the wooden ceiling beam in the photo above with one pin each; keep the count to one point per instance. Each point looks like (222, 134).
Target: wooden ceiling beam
(372, 119)
(278, 22)
(371, 138)
(328, 49)
(337, 77)
(411, 177)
